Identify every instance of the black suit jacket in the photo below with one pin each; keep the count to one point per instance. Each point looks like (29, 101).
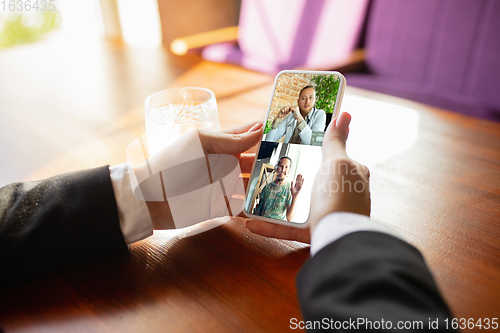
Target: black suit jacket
(57, 222)
(373, 276)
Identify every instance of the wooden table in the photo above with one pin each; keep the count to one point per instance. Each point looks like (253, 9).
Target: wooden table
(437, 180)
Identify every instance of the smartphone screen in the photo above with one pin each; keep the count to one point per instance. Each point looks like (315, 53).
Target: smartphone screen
(302, 106)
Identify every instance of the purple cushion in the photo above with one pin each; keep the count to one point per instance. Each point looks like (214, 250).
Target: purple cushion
(439, 52)
(285, 34)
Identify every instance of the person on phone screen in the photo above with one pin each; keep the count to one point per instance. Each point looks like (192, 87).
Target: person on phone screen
(278, 198)
(297, 123)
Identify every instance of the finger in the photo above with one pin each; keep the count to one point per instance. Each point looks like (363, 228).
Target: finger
(230, 143)
(243, 128)
(246, 162)
(336, 136)
(278, 231)
(343, 122)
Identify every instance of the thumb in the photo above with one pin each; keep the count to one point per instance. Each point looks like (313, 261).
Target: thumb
(336, 136)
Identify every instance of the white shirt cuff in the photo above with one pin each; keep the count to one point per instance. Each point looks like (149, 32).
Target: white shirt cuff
(337, 225)
(135, 221)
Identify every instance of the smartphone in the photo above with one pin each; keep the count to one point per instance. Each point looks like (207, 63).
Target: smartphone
(302, 105)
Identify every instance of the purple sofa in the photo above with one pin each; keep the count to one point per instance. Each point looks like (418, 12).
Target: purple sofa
(444, 53)
(284, 34)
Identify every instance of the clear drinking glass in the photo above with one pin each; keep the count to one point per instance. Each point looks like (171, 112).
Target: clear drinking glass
(173, 112)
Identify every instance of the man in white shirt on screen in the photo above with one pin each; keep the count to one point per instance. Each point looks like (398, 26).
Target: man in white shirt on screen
(297, 123)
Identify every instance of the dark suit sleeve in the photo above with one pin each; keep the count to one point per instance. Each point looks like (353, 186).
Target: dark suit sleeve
(373, 276)
(58, 222)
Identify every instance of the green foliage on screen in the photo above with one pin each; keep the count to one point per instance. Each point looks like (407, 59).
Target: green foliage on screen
(19, 29)
(327, 88)
(269, 124)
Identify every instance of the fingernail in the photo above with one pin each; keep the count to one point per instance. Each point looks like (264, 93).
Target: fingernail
(255, 127)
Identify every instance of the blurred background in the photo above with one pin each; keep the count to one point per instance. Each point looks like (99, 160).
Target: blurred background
(74, 75)
(73, 81)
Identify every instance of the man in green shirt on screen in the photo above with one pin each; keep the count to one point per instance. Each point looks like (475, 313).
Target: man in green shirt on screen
(278, 198)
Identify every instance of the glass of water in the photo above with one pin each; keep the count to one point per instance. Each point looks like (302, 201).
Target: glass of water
(173, 112)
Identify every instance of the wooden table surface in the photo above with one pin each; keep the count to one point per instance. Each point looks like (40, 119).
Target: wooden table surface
(435, 177)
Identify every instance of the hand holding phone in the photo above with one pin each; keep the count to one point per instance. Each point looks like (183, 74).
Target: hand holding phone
(336, 165)
(289, 155)
(341, 184)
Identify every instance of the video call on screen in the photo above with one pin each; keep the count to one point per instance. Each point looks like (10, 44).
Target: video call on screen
(290, 153)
